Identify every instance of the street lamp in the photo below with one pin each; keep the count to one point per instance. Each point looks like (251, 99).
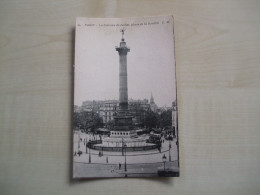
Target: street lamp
(164, 160)
(122, 146)
(79, 142)
(86, 145)
(89, 157)
(125, 157)
(170, 150)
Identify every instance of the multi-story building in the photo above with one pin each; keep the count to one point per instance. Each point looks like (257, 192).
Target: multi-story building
(107, 108)
(174, 118)
(93, 106)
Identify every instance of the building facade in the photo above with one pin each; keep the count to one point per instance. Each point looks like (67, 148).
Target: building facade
(153, 106)
(174, 118)
(107, 109)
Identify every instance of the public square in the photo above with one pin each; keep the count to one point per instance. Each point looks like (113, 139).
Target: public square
(125, 137)
(94, 163)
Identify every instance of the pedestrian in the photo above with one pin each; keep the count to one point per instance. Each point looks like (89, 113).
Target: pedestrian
(79, 152)
(107, 159)
(159, 147)
(119, 166)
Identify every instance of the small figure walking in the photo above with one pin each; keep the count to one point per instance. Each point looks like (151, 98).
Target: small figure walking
(107, 159)
(119, 166)
(79, 152)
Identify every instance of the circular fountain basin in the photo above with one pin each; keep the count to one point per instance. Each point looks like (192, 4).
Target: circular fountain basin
(118, 144)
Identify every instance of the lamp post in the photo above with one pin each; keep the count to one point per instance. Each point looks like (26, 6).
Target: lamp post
(170, 150)
(122, 147)
(78, 142)
(164, 160)
(125, 157)
(89, 157)
(86, 145)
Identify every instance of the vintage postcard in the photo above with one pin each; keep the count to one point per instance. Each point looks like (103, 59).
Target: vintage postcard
(125, 103)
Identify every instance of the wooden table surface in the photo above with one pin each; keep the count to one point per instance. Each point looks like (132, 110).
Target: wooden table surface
(218, 75)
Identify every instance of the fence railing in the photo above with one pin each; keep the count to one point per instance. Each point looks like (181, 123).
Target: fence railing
(93, 145)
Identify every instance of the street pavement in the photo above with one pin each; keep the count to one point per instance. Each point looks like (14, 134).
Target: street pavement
(139, 163)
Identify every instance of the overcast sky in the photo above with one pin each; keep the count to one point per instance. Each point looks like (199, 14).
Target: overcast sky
(150, 62)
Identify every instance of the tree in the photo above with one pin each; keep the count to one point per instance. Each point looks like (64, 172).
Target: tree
(76, 120)
(86, 120)
(110, 124)
(151, 119)
(165, 119)
(96, 121)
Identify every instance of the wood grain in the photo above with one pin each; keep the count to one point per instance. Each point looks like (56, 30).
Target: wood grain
(218, 75)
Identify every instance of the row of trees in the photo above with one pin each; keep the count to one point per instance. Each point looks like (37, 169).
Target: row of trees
(87, 120)
(158, 120)
(92, 120)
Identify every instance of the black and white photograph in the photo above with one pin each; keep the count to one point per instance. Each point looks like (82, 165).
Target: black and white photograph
(125, 102)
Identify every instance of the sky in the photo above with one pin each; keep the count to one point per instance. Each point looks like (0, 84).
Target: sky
(150, 62)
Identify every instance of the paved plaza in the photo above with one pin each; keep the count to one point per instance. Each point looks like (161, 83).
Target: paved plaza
(94, 163)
